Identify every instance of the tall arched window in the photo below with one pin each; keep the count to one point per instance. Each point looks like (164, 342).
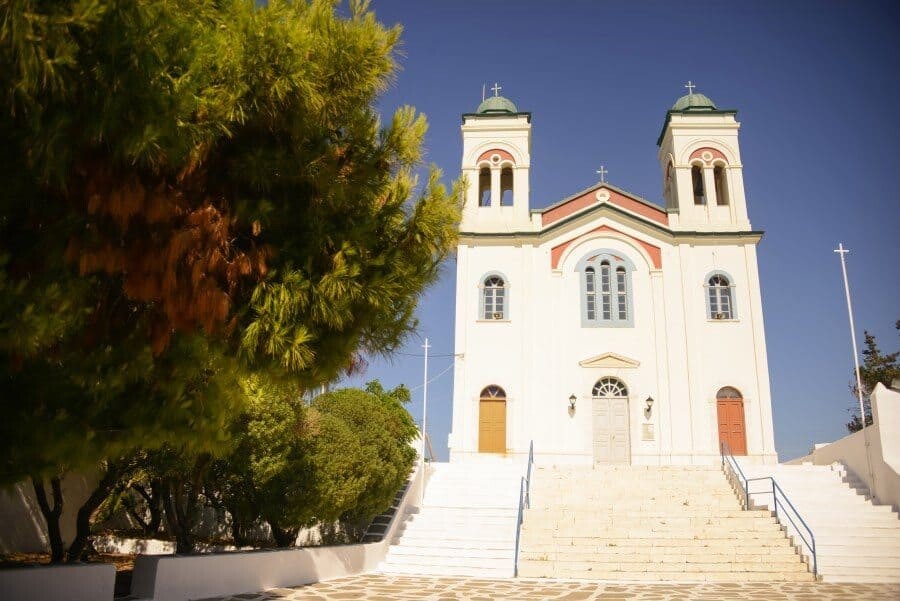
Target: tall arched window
(506, 187)
(493, 298)
(697, 183)
(721, 185)
(484, 187)
(719, 301)
(605, 289)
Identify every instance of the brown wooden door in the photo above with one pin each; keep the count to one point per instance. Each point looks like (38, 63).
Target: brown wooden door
(492, 426)
(731, 425)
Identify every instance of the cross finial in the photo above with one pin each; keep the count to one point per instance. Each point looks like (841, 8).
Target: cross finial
(841, 250)
(602, 171)
(496, 89)
(690, 86)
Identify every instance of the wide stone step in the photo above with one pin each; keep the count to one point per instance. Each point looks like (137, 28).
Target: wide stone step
(441, 569)
(656, 531)
(455, 561)
(857, 561)
(661, 554)
(697, 564)
(440, 550)
(606, 521)
(861, 576)
(877, 547)
(650, 513)
(662, 572)
(656, 577)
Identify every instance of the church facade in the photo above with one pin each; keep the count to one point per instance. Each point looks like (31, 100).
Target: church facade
(606, 328)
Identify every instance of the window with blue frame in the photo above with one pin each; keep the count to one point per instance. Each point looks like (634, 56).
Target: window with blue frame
(606, 289)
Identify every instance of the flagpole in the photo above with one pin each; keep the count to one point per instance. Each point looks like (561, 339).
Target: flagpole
(425, 346)
(840, 250)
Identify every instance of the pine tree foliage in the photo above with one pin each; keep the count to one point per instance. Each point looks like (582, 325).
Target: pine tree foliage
(877, 366)
(194, 191)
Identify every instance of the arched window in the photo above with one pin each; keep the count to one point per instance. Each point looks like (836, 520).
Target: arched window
(484, 187)
(605, 289)
(719, 301)
(493, 392)
(609, 388)
(721, 185)
(493, 298)
(669, 185)
(506, 187)
(697, 182)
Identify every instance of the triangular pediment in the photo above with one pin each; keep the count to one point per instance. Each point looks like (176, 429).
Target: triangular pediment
(609, 360)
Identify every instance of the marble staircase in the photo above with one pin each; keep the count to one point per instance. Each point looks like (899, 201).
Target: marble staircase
(638, 523)
(467, 523)
(856, 540)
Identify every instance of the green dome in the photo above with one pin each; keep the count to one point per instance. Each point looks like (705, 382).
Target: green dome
(497, 104)
(694, 102)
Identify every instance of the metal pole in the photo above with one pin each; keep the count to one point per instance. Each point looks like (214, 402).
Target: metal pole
(425, 346)
(840, 250)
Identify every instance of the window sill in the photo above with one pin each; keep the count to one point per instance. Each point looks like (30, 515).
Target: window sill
(492, 321)
(722, 320)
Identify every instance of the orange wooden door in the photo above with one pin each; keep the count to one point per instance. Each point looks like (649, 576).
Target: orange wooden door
(492, 426)
(731, 425)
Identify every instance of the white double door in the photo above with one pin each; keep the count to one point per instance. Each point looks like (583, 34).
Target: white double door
(612, 442)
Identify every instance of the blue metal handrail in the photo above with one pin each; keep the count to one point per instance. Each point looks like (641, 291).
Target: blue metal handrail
(524, 503)
(737, 472)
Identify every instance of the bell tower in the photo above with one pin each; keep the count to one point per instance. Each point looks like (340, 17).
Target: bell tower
(703, 181)
(496, 160)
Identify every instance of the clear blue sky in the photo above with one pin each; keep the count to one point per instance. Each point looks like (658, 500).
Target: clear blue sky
(817, 91)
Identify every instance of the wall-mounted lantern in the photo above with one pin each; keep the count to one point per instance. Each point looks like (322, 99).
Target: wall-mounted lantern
(572, 399)
(649, 404)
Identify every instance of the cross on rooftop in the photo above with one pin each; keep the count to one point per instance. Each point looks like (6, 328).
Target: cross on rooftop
(496, 89)
(690, 86)
(602, 171)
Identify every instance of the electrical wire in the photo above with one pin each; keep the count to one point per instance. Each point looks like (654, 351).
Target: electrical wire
(446, 369)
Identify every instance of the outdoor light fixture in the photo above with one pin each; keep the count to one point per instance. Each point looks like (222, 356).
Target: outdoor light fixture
(649, 403)
(572, 399)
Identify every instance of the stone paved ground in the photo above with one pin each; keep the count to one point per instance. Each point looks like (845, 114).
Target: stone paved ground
(386, 587)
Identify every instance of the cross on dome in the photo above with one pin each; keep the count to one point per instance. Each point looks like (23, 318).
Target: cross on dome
(690, 86)
(602, 171)
(496, 89)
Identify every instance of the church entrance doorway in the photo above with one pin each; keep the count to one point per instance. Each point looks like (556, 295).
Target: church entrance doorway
(492, 420)
(730, 413)
(612, 442)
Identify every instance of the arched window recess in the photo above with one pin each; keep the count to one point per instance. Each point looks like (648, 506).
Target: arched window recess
(720, 296)
(494, 305)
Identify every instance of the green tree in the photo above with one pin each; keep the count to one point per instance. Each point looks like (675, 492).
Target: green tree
(342, 459)
(877, 367)
(194, 192)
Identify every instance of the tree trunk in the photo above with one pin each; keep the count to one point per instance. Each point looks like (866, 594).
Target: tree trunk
(152, 496)
(284, 537)
(111, 476)
(51, 515)
(181, 501)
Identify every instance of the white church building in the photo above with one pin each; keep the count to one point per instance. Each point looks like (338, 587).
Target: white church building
(606, 328)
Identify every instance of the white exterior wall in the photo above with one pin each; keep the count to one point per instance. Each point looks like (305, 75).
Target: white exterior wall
(684, 357)
(673, 352)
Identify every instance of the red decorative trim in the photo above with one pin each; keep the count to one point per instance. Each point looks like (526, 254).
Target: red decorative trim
(654, 251)
(717, 154)
(504, 156)
(620, 200)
